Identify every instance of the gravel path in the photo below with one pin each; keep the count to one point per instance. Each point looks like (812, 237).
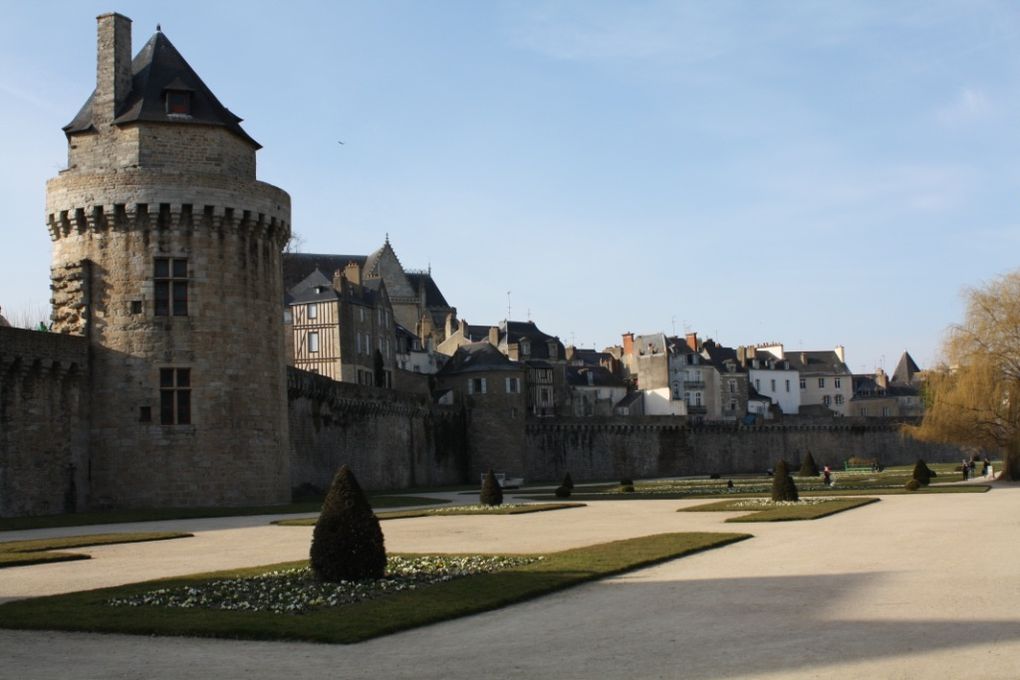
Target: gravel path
(908, 587)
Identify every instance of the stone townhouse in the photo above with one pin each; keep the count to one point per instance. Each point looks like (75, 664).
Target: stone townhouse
(595, 391)
(343, 328)
(729, 382)
(418, 303)
(878, 396)
(825, 380)
(772, 377)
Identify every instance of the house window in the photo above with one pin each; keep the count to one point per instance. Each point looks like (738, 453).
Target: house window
(821, 382)
(827, 400)
(676, 391)
(697, 398)
(757, 384)
(170, 286)
(313, 342)
(313, 311)
(864, 410)
(361, 313)
(803, 383)
(733, 405)
(839, 399)
(545, 396)
(476, 386)
(837, 382)
(178, 101)
(733, 386)
(175, 396)
(357, 342)
(787, 385)
(513, 385)
(773, 385)
(886, 411)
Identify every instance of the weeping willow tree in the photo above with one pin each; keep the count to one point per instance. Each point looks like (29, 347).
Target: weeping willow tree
(973, 399)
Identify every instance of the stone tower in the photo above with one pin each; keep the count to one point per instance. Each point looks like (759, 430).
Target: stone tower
(166, 256)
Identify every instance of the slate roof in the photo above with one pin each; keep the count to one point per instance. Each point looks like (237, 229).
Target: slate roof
(816, 362)
(629, 399)
(156, 68)
(296, 266)
(433, 296)
(478, 357)
(514, 331)
(313, 288)
(601, 377)
(720, 357)
(905, 369)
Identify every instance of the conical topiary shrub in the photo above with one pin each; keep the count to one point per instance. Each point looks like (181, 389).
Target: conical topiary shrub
(347, 544)
(783, 488)
(492, 492)
(921, 473)
(562, 491)
(808, 467)
(567, 481)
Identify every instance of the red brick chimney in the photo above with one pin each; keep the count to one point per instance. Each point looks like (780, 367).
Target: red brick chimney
(692, 341)
(628, 343)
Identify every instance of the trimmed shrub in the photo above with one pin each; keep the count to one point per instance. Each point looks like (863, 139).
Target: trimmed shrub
(912, 485)
(626, 481)
(492, 492)
(714, 475)
(567, 481)
(783, 488)
(347, 543)
(562, 491)
(922, 473)
(627, 488)
(808, 467)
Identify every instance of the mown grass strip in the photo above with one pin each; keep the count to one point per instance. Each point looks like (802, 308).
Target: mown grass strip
(39, 551)
(163, 514)
(446, 512)
(782, 513)
(88, 611)
(682, 495)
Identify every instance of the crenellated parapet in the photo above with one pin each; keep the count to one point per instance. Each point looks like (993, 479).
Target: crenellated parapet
(171, 217)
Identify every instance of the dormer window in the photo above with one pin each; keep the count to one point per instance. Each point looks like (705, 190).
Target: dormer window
(178, 102)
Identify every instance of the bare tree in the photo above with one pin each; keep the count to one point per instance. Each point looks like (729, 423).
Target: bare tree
(973, 398)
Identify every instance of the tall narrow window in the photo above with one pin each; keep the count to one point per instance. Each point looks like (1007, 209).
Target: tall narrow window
(313, 311)
(313, 342)
(175, 396)
(170, 286)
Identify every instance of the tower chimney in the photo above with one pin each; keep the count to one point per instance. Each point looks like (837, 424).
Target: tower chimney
(113, 67)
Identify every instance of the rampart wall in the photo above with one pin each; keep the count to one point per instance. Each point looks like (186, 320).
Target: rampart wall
(613, 448)
(390, 440)
(43, 422)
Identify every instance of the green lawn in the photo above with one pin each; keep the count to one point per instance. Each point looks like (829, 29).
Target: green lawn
(450, 511)
(89, 611)
(38, 551)
(162, 514)
(781, 513)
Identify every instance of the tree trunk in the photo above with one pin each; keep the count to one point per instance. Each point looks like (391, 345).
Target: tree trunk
(1011, 462)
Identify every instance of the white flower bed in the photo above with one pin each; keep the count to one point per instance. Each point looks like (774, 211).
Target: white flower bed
(765, 503)
(455, 509)
(295, 591)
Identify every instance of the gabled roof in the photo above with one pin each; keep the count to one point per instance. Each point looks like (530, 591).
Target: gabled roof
(478, 357)
(296, 266)
(722, 357)
(592, 376)
(512, 332)
(816, 362)
(905, 370)
(433, 296)
(157, 68)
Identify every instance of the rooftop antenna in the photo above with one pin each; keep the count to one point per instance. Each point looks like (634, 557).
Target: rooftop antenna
(674, 325)
(529, 313)
(508, 305)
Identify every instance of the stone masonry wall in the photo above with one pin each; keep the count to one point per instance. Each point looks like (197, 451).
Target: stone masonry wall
(43, 422)
(612, 448)
(389, 440)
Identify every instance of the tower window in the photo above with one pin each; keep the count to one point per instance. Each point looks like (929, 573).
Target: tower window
(178, 101)
(171, 286)
(175, 396)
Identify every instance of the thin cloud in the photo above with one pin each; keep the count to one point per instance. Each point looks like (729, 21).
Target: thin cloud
(969, 105)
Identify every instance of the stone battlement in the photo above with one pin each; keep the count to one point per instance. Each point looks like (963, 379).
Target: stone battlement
(23, 350)
(166, 216)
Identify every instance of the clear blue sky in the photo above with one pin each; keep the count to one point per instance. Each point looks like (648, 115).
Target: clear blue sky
(815, 173)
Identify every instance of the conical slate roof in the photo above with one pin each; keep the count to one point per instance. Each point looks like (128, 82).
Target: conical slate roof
(905, 369)
(159, 67)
